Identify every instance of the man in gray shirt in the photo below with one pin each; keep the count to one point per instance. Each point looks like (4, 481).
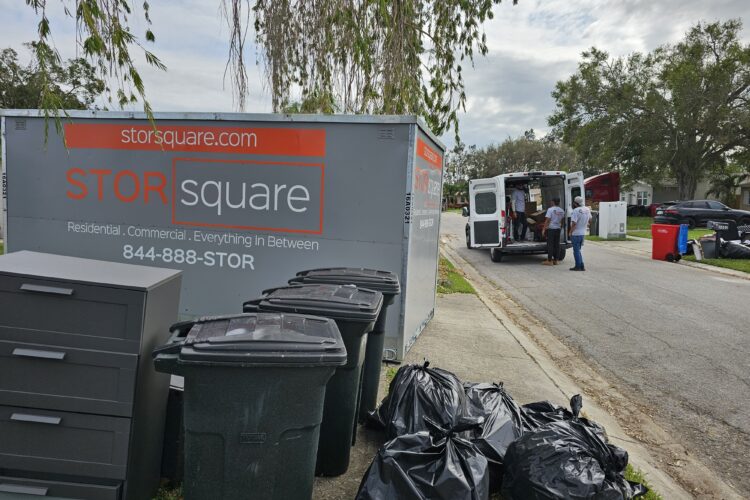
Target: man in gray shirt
(519, 207)
(579, 221)
(552, 228)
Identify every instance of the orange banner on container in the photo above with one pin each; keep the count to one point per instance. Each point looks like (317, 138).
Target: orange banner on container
(237, 140)
(433, 157)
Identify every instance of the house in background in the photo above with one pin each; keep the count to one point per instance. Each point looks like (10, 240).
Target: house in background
(668, 191)
(640, 194)
(745, 195)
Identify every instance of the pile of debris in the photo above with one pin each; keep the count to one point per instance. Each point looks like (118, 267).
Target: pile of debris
(454, 440)
(728, 242)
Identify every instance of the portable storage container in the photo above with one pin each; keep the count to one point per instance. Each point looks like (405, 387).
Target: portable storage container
(239, 202)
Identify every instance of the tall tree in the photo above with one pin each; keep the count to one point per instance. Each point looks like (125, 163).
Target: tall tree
(351, 56)
(681, 111)
(368, 56)
(522, 154)
(74, 83)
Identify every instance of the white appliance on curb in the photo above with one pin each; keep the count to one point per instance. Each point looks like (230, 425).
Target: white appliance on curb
(613, 217)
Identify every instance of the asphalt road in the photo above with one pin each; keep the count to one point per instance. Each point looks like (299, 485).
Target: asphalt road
(674, 337)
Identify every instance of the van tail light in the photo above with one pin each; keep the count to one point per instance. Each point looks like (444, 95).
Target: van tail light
(502, 213)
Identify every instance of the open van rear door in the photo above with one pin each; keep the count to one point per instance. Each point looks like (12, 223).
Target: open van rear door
(485, 206)
(573, 187)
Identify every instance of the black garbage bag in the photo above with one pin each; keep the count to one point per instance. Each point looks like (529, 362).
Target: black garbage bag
(416, 392)
(503, 424)
(734, 250)
(566, 458)
(437, 465)
(536, 415)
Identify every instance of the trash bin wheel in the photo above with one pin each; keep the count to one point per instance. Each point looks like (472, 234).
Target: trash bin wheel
(670, 257)
(496, 255)
(677, 258)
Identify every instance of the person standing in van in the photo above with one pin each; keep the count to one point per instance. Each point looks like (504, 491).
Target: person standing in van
(519, 207)
(579, 220)
(553, 220)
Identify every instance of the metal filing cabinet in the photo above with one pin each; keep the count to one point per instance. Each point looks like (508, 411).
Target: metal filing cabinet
(81, 406)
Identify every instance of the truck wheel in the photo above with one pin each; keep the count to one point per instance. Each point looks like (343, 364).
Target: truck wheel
(468, 239)
(561, 254)
(496, 255)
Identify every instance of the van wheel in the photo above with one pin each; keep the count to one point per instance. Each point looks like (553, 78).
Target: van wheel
(468, 239)
(561, 254)
(496, 255)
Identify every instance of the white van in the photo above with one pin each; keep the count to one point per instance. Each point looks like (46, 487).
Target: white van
(490, 224)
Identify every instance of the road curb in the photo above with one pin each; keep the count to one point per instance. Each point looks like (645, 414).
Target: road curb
(696, 265)
(670, 469)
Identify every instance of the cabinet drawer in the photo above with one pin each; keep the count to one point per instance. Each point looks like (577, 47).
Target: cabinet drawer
(34, 488)
(62, 378)
(69, 314)
(57, 442)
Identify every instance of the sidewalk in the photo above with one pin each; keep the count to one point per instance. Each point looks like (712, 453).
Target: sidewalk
(480, 344)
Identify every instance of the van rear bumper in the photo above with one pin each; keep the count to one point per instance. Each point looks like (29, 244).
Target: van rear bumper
(530, 248)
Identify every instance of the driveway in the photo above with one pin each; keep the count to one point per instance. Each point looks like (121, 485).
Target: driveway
(675, 337)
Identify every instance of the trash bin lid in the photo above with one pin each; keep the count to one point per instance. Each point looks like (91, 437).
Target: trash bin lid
(264, 338)
(382, 281)
(344, 302)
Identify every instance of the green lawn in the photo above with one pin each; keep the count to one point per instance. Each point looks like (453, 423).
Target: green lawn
(2, 249)
(450, 280)
(693, 234)
(592, 237)
(454, 210)
(636, 223)
(736, 264)
(641, 227)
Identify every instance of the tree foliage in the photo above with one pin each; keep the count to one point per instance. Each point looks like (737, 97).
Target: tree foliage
(73, 83)
(350, 56)
(365, 56)
(522, 154)
(105, 38)
(681, 111)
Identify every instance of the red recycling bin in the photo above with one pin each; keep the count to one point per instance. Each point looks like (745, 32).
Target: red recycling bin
(664, 242)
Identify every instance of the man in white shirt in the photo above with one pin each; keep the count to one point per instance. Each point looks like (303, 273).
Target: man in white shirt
(579, 220)
(519, 207)
(552, 227)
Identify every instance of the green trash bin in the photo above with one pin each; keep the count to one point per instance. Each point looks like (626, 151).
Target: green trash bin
(355, 311)
(384, 282)
(254, 392)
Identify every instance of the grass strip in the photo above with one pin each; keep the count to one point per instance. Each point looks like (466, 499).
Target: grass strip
(451, 280)
(165, 493)
(593, 237)
(736, 264)
(635, 475)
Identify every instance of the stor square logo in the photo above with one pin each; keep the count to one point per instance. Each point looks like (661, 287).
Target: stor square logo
(272, 196)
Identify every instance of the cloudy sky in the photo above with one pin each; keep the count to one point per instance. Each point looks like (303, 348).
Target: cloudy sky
(532, 45)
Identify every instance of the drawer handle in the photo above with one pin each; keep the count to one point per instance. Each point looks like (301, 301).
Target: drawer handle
(26, 287)
(36, 419)
(34, 353)
(27, 490)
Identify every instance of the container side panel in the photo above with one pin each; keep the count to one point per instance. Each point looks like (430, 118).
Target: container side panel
(424, 233)
(238, 206)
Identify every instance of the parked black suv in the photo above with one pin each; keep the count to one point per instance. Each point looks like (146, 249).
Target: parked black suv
(698, 212)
